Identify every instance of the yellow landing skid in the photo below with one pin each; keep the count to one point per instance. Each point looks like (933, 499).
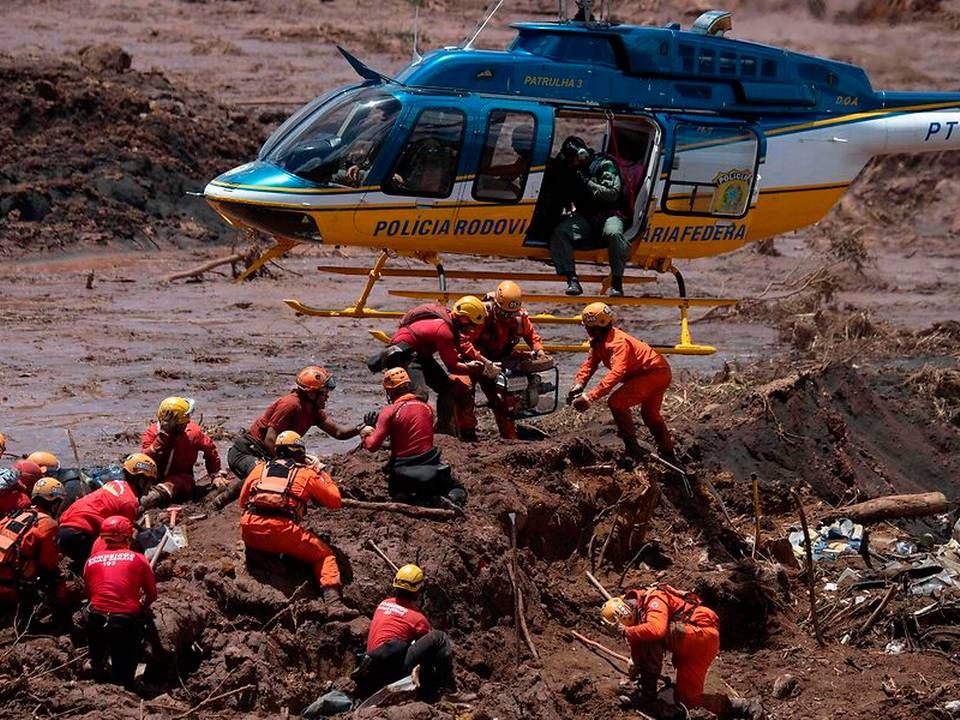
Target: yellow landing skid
(477, 275)
(282, 245)
(446, 297)
(348, 312)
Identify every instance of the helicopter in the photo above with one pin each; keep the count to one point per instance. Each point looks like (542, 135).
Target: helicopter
(720, 142)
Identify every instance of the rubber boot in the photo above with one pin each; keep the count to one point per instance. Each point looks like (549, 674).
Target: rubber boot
(616, 287)
(573, 286)
(336, 608)
(631, 447)
(744, 709)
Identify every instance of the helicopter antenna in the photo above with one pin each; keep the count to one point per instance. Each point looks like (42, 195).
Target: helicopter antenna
(468, 44)
(417, 57)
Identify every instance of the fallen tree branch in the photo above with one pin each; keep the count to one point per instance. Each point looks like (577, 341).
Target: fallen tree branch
(288, 606)
(411, 510)
(214, 698)
(891, 507)
(596, 583)
(209, 265)
(521, 619)
(876, 613)
(373, 546)
(810, 578)
(602, 649)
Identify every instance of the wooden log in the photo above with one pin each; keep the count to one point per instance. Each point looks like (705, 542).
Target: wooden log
(892, 507)
(603, 649)
(376, 548)
(210, 265)
(810, 578)
(596, 583)
(403, 508)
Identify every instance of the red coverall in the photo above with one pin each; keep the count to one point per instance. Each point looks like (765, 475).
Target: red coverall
(288, 412)
(39, 557)
(13, 499)
(495, 341)
(396, 619)
(176, 455)
(690, 632)
(115, 579)
(408, 422)
(114, 498)
(279, 533)
(645, 375)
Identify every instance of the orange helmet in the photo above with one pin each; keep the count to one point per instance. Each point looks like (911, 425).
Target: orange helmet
(597, 314)
(617, 611)
(394, 378)
(509, 296)
(45, 459)
(315, 377)
(116, 530)
(140, 464)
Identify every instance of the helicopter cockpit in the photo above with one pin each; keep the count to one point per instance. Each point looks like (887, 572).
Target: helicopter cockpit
(340, 143)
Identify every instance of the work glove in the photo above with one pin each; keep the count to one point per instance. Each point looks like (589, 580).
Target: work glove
(371, 418)
(573, 392)
(581, 403)
(474, 367)
(220, 480)
(365, 432)
(490, 370)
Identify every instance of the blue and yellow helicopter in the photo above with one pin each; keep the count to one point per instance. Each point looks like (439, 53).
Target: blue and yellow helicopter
(720, 142)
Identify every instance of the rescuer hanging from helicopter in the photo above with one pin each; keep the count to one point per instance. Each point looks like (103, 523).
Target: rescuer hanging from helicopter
(595, 193)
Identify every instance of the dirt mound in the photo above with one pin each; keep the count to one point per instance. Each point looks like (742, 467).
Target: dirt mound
(92, 153)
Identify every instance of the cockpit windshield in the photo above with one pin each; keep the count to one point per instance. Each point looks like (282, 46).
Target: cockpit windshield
(340, 142)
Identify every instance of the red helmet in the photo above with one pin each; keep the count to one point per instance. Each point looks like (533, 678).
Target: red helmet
(28, 472)
(117, 530)
(315, 378)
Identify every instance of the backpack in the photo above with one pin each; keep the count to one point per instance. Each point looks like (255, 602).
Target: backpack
(270, 494)
(690, 599)
(427, 312)
(13, 529)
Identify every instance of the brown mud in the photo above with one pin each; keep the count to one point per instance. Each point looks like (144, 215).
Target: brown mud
(837, 376)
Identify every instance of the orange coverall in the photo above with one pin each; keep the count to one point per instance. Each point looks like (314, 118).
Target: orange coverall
(495, 341)
(39, 557)
(645, 375)
(279, 533)
(689, 632)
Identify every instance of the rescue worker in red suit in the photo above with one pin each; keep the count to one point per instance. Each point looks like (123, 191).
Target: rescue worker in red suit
(506, 324)
(297, 411)
(660, 619)
(429, 330)
(400, 639)
(80, 523)
(16, 485)
(174, 442)
(274, 500)
(642, 373)
(415, 472)
(29, 556)
(121, 587)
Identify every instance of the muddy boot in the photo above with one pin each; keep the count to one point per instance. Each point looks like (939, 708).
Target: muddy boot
(573, 286)
(336, 608)
(616, 287)
(744, 709)
(631, 447)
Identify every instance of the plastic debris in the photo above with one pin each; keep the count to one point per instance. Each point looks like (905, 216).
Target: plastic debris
(843, 537)
(895, 647)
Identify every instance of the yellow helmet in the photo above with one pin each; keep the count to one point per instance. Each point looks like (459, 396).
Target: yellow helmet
(409, 578)
(509, 296)
(140, 464)
(46, 460)
(394, 378)
(175, 411)
(290, 439)
(470, 307)
(597, 314)
(48, 489)
(616, 611)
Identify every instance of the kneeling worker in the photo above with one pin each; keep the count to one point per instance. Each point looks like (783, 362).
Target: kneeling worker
(121, 587)
(642, 373)
(400, 639)
(274, 500)
(414, 472)
(661, 618)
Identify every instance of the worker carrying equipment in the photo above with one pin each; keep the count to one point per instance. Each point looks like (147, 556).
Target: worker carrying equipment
(121, 586)
(400, 639)
(495, 341)
(429, 330)
(660, 619)
(29, 556)
(299, 410)
(80, 523)
(274, 500)
(174, 442)
(643, 376)
(415, 472)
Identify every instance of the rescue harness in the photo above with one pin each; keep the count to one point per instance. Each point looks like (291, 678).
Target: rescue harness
(13, 529)
(271, 495)
(691, 601)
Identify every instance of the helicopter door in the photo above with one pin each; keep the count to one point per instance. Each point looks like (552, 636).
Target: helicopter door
(418, 197)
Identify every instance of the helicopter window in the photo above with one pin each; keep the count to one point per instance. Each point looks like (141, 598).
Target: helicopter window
(338, 145)
(427, 165)
(714, 170)
(768, 68)
(707, 61)
(506, 156)
(687, 54)
(728, 63)
(748, 66)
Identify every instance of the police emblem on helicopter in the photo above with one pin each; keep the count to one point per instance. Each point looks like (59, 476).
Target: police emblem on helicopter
(731, 190)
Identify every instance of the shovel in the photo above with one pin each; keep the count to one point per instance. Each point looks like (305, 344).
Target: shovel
(178, 533)
(394, 691)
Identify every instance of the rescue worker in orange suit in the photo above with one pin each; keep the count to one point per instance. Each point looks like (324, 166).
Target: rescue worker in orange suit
(16, 485)
(415, 472)
(660, 619)
(400, 639)
(642, 373)
(429, 330)
(121, 587)
(174, 442)
(298, 411)
(29, 556)
(274, 500)
(80, 523)
(506, 324)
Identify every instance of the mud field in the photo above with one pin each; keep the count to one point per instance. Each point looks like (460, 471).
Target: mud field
(837, 377)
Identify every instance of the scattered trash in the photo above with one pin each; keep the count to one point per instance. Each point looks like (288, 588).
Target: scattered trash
(933, 584)
(842, 537)
(904, 547)
(328, 704)
(895, 647)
